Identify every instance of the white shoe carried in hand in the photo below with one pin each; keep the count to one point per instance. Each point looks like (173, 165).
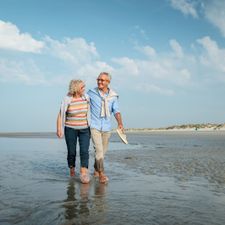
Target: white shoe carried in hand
(122, 135)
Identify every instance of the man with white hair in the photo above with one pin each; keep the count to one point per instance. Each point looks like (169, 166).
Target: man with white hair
(103, 102)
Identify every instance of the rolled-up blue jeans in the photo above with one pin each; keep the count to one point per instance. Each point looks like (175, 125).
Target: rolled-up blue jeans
(83, 137)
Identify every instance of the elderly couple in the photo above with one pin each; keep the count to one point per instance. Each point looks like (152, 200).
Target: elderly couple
(73, 121)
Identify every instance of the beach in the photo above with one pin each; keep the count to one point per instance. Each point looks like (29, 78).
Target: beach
(158, 178)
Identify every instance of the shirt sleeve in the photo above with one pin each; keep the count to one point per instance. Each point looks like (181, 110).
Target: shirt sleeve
(115, 106)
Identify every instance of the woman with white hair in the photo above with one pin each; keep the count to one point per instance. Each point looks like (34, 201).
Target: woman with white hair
(72, 121)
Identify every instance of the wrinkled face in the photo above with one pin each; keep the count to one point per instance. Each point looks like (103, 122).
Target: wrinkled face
(81, 89)
(103, 81)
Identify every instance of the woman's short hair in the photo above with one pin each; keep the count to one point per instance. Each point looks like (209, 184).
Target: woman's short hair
(74, 86)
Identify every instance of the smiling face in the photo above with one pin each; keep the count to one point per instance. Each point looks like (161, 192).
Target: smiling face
(103, 82)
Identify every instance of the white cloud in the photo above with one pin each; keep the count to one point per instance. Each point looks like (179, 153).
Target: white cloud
(11, 38)
(164, 69)
(20, 71)
(150, 88)
(157, 68)
(185, 6)
(165, 74)
(185, 74)
(176, 48)
(212, 10)
(215, 13)
(213, 56)
(58, 61)
(128, 66)
(162, 72)
(81, 58)
(210, 45)
(74, 51)
(147, 50)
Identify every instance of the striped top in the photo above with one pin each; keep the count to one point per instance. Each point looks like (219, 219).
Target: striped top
(76, 114)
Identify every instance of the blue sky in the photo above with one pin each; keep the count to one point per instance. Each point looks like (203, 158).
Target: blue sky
(166, 57)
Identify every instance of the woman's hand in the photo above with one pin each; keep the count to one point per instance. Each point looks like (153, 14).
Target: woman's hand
(59, 133)
(59, 127)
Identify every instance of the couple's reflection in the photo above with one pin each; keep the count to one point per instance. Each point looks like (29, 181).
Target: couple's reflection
(99, 200)
(82, 205)
(76, 203)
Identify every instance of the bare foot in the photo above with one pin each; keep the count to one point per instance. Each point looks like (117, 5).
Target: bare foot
(72, 171)
(96, 173)
(103, 178)
(84, 175)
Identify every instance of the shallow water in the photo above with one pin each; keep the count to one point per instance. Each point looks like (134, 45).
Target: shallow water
(159, 178)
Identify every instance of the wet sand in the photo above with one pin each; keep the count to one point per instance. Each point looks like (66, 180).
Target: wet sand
(157, 179)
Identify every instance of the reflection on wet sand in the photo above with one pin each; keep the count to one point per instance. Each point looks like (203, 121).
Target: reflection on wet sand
(82, 205)
(76, 204)
(99, 197)
(100, 189)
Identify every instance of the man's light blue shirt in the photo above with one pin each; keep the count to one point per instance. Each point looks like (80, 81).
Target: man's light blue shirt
(98, 122)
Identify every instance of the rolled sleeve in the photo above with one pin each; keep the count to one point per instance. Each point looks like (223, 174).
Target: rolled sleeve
(115, 106)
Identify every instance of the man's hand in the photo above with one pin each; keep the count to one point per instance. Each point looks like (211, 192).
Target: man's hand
(120, 126)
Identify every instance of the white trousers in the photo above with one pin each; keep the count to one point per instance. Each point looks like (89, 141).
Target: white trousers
(100, 141)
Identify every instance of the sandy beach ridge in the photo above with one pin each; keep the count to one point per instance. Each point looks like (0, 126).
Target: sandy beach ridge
(178, 128)
(183, 127)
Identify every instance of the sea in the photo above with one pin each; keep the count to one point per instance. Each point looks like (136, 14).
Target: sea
(159, 178)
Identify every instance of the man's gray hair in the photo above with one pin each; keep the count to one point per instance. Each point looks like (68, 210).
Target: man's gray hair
(107, 74)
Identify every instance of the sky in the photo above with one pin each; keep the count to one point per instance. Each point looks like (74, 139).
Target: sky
(166, 58)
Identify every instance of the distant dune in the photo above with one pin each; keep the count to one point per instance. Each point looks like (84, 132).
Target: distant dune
(184, 127)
